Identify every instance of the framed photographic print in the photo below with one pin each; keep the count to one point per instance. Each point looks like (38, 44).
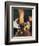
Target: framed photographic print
(21, 22)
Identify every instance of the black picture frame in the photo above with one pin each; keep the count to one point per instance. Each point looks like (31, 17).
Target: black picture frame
(7, 4)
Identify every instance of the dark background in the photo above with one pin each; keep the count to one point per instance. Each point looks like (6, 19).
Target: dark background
(27, 12)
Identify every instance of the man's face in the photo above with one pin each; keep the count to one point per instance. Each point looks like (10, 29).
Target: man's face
(21, 12)
(30, 18)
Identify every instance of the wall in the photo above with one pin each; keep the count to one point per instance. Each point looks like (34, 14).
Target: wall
(2, 13)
